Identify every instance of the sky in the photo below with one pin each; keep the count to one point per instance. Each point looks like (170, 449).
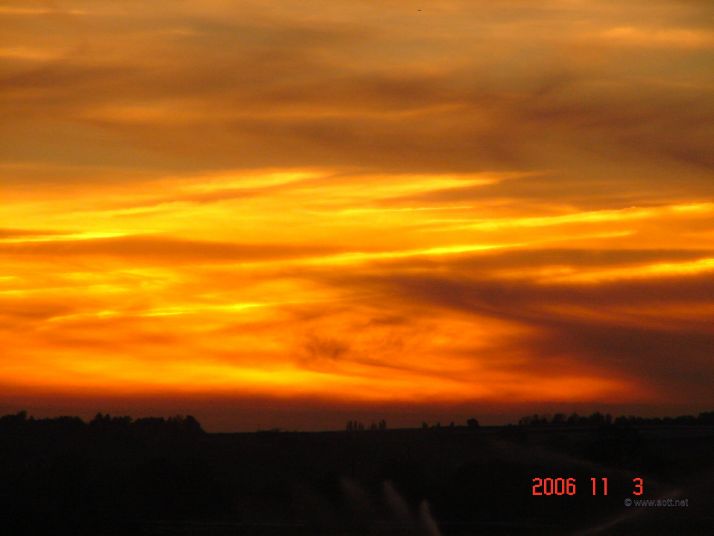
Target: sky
(286, 214)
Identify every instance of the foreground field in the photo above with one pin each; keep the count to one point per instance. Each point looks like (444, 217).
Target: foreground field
(71, 478)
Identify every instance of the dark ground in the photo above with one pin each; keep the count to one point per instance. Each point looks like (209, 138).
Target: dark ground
(72, 478)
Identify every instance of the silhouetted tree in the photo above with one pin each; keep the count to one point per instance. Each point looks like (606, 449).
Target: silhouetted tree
(596, 418)
(354, 426)
(192, 426)
(533, 420)
(472, 423)
(706, 417)
(17, 420)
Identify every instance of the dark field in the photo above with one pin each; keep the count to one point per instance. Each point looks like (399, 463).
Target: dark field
(66, 477)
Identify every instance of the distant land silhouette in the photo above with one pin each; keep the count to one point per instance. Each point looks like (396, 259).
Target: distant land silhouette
(163, 476)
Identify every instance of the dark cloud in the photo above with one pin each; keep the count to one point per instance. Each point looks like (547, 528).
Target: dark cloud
(525, 300)
(472, 265)
(591, 190)
(23, 233)
(676, 363)
(165, 248)
(220, 85)
(576, 327)
(325, 348)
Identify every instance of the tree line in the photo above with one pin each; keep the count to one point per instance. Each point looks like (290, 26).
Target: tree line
(599, 419)
(188, 425)
(103, 423)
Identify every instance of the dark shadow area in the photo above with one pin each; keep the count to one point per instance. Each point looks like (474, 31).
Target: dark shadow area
(156, 476)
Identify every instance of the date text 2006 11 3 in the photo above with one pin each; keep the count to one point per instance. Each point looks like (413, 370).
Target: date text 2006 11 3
(568, 486)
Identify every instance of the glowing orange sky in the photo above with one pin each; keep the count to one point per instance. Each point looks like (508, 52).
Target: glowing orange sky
(477, 203)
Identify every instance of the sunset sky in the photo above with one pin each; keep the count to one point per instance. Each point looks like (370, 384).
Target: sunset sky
(282, 213)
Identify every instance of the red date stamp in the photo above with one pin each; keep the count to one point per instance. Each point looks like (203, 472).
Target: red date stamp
(569, 486)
